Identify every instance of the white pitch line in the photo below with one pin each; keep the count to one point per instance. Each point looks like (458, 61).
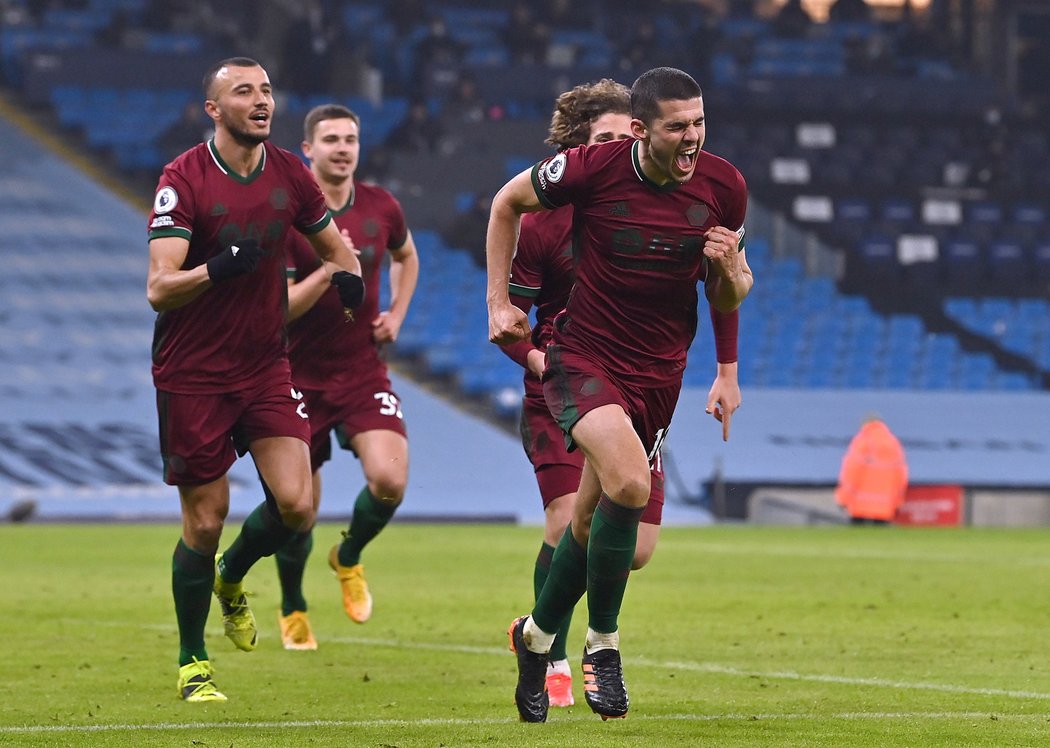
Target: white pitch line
(698, 667)
(465, 722)
(712, 667)
(745, 549)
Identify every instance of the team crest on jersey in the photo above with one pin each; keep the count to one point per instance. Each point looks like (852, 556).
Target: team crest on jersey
(555, 169)
(165, 201)
(697, 214)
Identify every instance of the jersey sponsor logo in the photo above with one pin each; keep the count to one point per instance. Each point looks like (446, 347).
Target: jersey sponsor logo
(633, 249)
(165, 201)
(161, 222)
(555, 169)
(620, 209)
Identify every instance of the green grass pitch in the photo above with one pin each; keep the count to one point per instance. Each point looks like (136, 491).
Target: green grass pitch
(733, 636)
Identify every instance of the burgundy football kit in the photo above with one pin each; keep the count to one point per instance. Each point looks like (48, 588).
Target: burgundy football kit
(220, 362)
(335, 362)
(631, 316)
(542, 275)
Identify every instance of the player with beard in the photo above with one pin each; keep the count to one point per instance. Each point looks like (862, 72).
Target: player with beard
(652, 217)
(221, 216)
(338, 364)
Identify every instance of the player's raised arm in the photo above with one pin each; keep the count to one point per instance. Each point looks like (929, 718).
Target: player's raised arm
(729, 278)
(342, 265)
(334, 250)
(507, 323)
(168, 286)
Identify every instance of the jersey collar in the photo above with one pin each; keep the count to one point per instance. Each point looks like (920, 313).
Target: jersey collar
(225, 169)
(349, 202)
(636, 161)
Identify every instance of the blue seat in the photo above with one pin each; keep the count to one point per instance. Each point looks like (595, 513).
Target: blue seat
(963, 265)
(1007, 263)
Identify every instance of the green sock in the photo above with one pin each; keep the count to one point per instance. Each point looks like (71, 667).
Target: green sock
(543, 568)
(192, 577)
(610, 551)
(370, 516)
(291, 565)
(565, 585)
(262, 534)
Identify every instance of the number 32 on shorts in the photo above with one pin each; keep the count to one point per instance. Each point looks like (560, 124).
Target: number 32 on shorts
(389, 405)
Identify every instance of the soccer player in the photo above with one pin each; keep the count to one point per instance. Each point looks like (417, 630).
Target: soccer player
(542, 274)
(220, 219)
(651, 218)
(337, 365)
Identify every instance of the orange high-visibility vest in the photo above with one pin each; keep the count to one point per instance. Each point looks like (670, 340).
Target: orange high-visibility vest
(874, 474)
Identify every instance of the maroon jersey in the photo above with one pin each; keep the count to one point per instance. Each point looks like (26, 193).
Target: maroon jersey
(541, 275)
(639, 253)
(326, 350)
(223, 339)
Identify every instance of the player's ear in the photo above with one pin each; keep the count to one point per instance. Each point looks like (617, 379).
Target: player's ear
(638, 129)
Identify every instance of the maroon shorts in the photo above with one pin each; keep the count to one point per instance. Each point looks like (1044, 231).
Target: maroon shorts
(574, 385)
(371, 406)
(557, 469)
(200, 435)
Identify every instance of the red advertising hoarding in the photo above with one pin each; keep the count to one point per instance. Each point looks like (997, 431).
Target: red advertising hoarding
(932, 505)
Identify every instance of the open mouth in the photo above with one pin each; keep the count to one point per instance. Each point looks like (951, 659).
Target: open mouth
(261, 117)
(685, 158)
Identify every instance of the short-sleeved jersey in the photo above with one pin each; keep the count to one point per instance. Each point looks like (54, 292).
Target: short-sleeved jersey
(326, 350)
(638, 253)
(541, 275)
(223, 339)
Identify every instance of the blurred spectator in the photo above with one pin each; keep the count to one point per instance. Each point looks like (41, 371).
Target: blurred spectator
(309, 49)
(526, 36)
(419, 132)
(437, 61)
(468, 230)
(644, 48)
(465, 106)
(792, 20)
(192, 127)
(925, 35)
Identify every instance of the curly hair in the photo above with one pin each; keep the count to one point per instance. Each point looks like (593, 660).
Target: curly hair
(575, 110)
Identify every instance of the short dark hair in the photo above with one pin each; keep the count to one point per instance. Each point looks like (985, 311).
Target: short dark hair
(235, 62)
(575, 110)
(661, 84)
(326, 111)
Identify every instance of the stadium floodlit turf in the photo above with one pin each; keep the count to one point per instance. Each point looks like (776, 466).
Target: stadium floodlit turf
(733, 636)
